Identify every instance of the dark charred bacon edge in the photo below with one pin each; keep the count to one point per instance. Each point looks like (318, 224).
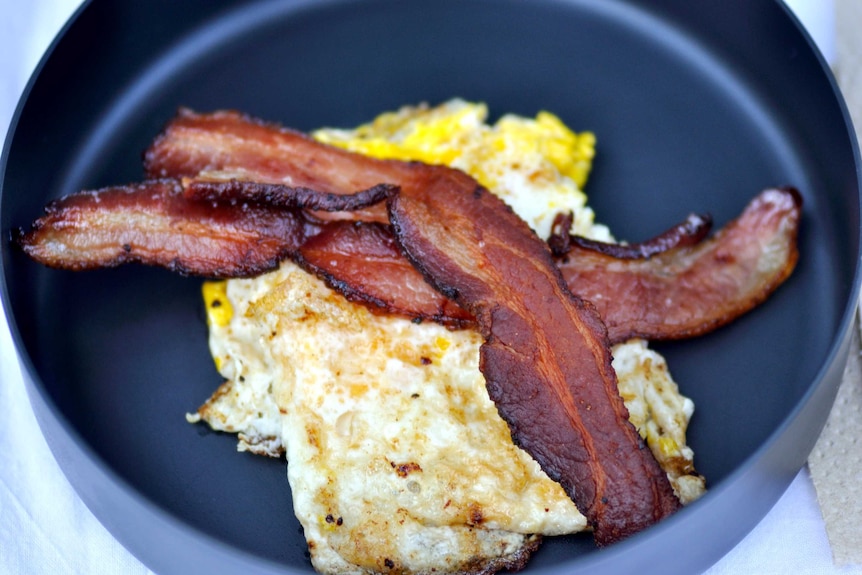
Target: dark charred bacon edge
(226, 141)
(688, 233)
(284, 197)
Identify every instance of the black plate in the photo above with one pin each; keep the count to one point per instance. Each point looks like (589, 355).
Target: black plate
(697, 107)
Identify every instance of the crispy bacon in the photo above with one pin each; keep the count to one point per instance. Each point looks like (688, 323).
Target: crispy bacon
(691, 289)
(682, 288)
(546, 357)
(154, 223)
(679, 278)
(361, 261)
(239, 147)
(688, 233)
(281, 196)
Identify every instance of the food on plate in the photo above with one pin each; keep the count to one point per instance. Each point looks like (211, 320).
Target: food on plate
(433, 364)
(398, 458)
(672, 289)
(673, 286)
(692, 283)
(676, 285)
(230, 145)
(545, 355)
(155, 223)
(362, 262)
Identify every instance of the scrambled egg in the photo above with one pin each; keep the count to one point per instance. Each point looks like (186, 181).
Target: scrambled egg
(538, 166)
(397, 458)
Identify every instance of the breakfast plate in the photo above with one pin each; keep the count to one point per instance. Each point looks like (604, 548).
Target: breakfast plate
(694, 109)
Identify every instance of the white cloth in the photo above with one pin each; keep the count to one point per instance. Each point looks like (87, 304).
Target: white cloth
(46, 529)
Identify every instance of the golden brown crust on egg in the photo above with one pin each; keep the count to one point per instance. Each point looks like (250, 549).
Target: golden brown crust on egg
(512, 562)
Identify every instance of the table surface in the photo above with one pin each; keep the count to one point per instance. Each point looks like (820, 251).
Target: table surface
(44, 526)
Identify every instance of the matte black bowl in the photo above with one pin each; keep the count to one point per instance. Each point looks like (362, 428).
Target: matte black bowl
(697, 107)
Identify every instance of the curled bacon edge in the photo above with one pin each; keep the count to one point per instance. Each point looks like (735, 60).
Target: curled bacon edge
(546, 355)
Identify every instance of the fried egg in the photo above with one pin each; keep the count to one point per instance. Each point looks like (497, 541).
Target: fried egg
(397, 458)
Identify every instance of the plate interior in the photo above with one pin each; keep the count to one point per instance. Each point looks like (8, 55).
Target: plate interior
(685, 122)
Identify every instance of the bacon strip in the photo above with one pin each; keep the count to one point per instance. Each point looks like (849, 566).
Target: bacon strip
(546, 357)
(361, 260)
(154, 223)
(689, 290)
(245, 148)
(681, 287)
